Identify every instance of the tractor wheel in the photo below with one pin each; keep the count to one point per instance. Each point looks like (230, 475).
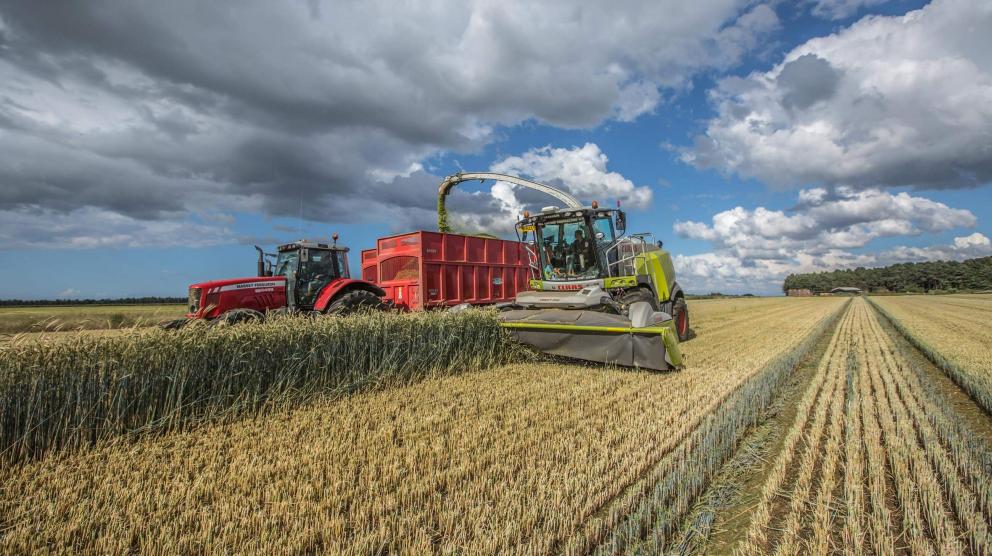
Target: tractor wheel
(280, 312)
(638, 294)
(354, 301)
(174, 324)
(238, 316)
(681, 316)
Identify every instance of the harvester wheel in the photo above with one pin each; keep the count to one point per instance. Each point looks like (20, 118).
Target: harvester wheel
(681, 316)
(238, 316)
(354, 301)
(638, 294)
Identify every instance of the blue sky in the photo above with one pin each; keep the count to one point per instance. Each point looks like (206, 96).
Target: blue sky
(769, 138)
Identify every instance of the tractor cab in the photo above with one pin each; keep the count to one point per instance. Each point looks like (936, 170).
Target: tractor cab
(574, 245)
(307, 266)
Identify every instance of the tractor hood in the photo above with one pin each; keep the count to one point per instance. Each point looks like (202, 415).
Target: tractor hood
(242, 283)
(213, 298)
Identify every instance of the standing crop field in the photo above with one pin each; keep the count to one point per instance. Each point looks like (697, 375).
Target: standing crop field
(528, 458)
(876, 460)
(955, 332)
(15, 320)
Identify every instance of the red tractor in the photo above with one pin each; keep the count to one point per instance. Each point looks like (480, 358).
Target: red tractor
(307, 276)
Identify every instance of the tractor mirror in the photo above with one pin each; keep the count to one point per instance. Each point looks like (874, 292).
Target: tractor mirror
(304, 255)
(621, 221)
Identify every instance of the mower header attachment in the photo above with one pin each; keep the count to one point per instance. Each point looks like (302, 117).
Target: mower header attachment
(647, 339)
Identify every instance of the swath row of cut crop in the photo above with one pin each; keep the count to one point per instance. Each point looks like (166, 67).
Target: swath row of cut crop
(895, 426)
(957, 340)
(649, 515)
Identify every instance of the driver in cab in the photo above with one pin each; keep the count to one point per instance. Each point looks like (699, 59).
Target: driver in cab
(582, 252)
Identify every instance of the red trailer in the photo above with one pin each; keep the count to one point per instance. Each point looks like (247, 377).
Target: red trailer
(422, 270)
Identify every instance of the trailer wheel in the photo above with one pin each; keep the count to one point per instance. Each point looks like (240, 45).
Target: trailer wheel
(238, 316)
(354, 301)
(681, 317)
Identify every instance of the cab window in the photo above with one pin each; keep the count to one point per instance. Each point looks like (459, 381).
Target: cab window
(567, 252)
(286, 263)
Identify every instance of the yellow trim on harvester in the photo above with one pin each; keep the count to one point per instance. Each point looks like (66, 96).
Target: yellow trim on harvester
(620, 282)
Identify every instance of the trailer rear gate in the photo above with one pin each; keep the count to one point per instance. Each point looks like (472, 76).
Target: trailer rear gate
(422, 270)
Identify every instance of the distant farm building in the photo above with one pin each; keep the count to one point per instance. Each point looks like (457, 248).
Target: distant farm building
(799, 293)
(847, 290)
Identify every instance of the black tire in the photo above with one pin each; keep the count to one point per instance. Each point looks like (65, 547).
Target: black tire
(280, 312)
(638, 294)
(238, 316)
(680, 314)
(354, 301)
(174, 324)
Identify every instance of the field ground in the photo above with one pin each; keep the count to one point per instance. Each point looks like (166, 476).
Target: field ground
(805, 425)
(15, 320)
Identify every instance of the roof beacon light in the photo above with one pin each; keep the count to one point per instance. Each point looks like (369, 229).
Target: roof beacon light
(595, 204)
(526, 214)
(334, 236)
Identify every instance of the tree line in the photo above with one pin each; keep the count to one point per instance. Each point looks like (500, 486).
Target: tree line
(116, 301)
(969, 275)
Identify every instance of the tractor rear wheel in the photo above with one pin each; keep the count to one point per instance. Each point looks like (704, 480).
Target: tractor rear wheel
(681, 316)
(354, 301)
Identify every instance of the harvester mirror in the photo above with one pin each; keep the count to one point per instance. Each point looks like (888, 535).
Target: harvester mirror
(304, 255)
(600, 235)
(621, 221)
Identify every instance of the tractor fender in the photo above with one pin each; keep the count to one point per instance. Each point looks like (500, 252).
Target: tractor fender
(335, 287)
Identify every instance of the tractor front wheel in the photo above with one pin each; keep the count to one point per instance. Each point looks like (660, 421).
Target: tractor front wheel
(354, 301)
(238, 316)
(681, 316)
(174, 324)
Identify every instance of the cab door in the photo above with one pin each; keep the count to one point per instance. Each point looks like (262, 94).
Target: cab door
(318, 267)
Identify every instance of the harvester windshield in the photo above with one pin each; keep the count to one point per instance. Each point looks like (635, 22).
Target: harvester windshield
(573, 247)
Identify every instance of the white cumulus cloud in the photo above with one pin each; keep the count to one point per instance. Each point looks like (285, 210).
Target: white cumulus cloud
(823, 221)
(888, 101)
(754, 249)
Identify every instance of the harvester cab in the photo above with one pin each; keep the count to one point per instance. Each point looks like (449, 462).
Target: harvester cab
(595, 293)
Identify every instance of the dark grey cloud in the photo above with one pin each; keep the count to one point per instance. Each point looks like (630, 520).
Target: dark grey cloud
(158, 110)
(807, 80)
